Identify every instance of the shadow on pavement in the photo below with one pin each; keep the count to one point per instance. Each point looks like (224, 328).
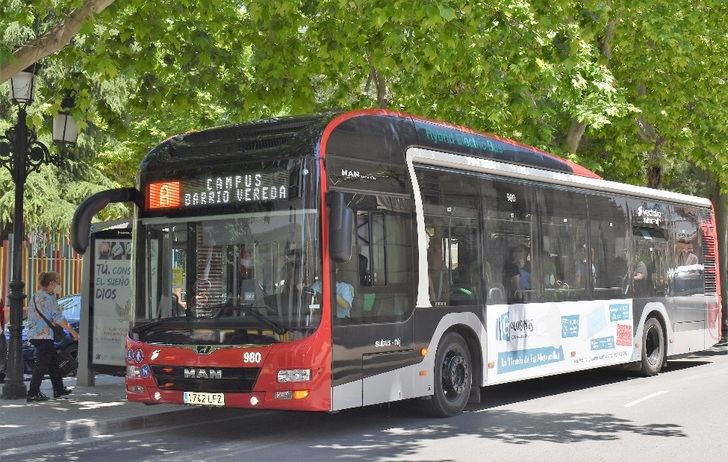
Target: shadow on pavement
(367, 434)
(397, 430)
(373, 435)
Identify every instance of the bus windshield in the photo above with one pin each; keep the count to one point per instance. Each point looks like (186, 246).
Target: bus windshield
(237, 279)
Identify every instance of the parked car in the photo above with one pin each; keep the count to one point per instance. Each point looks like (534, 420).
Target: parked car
(67, 347)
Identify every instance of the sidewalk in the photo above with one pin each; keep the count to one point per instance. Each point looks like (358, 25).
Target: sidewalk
(87, 412)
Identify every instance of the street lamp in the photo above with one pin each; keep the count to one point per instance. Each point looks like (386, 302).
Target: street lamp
(21, 153)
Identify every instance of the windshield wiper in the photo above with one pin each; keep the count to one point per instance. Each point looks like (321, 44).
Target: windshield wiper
(146, 326)
(277, 328)
(152, 324)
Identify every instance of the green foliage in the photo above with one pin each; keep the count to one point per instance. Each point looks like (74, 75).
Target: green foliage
(525, 69)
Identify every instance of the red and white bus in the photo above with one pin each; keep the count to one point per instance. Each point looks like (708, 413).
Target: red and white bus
(334, 261)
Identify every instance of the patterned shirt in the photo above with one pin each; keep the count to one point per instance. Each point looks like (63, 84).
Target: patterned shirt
(343, 290)
(47, 304)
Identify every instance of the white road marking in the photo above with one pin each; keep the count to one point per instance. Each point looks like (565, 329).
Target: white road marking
(653, 395)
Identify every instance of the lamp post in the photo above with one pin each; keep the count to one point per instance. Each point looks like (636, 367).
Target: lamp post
(21, 153)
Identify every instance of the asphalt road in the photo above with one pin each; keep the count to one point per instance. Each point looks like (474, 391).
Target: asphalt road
(596, 415)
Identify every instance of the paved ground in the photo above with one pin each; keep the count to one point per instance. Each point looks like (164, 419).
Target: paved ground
(86, 412)
(594, 415)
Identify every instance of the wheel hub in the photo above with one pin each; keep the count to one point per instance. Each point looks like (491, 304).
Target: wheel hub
(454, 373)
(652, 346)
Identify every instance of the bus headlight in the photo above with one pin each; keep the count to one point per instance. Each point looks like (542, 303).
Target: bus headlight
(294, 375)
(133, 372)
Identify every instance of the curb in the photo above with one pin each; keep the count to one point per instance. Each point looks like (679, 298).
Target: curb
(87, 428)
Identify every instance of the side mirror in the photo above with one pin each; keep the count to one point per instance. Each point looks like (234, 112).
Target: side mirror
(341, 223)
(81, 224)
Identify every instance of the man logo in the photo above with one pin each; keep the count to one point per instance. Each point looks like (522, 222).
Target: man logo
(203, 349)
(193, 373)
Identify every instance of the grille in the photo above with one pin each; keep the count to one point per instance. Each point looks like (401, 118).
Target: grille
(709, 264)
(234, 380)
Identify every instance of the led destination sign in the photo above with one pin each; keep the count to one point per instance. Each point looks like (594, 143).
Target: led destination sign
(214, 190)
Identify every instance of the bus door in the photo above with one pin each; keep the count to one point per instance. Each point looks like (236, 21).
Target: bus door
(649, 256)
(373, 299)
(686, 278)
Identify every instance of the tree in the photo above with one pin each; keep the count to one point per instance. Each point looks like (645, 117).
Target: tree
(49, 42)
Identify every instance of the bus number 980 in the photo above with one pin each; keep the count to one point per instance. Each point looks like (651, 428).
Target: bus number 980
(252, 357)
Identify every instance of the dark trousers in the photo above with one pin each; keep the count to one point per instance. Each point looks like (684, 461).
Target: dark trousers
(3, 355)
(46, 361)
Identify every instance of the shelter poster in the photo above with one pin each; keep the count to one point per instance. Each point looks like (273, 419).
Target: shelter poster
(111, 297)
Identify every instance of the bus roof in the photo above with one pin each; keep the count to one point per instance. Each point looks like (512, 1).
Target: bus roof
(376, 135)
(275, 137)
(449, 138)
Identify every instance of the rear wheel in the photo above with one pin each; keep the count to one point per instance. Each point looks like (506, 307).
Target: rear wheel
(453, 376)
(653, 348)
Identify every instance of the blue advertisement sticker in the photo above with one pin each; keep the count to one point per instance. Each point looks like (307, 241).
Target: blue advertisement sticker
(138, 356)
(144, 371)
(502, 328)
(596, 320)
(511, 361)
(570, 326)
(130, 355)
(602, 343)
(619, 312)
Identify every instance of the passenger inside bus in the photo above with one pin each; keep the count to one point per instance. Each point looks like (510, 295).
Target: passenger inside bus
(639, 279)
(344, 290)
(437, 271)
(686, 257)
(517, 274)
(583, 269)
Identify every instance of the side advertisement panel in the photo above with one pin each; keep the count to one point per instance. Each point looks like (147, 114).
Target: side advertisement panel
(533, 340)
(110, 297)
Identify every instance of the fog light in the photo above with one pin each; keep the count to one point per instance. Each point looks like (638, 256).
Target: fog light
(254, 401)
(294, 375)
(133, 372)
(283, 395)
(300, 394)
(135, 389)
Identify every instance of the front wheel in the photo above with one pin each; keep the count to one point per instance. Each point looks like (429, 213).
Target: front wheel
(453, 376)
(653, 348)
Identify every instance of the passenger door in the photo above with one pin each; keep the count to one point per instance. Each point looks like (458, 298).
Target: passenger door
(374, 337)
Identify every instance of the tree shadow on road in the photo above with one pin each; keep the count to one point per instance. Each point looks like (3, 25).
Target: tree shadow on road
(397, 430)
(402, 433)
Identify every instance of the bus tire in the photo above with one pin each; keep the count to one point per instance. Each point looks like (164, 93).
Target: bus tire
(453, 376)
(653, 348)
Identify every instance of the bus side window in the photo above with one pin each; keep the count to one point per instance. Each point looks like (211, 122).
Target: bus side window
(566, 260)
(381, 268)
(508, 269)
(608, 231)
(686, 269)
(452, 223)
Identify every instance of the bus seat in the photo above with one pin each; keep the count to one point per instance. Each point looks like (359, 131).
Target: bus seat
(367, 302)
(496, 294)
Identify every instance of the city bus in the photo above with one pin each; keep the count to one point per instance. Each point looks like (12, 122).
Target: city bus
(334, 261)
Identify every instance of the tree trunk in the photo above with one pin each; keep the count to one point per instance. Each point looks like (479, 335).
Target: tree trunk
(577, 129)
(380, 84)
(53, 40)
(573, 139)
(720, 202)
(654, 158)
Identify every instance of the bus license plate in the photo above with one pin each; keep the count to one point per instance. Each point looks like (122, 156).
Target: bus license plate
(204, 399)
